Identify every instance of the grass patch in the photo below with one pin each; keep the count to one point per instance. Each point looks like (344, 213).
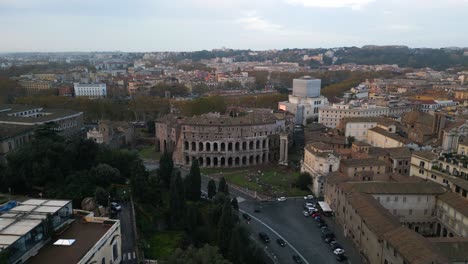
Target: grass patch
(149, 153)
(272, 181)
(163, 244)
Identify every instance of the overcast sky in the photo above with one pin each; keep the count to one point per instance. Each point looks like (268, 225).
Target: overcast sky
(175, 25)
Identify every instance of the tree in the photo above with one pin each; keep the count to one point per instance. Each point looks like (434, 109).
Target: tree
(193, 182)
(239, 244)
(303, 181)
(103, 175)
(211, 189)
(235, 204)
(102, 196)
(223, 187)
(177, 202)
(166, 167)
(350, 140)
(225, 226)
(205, 255)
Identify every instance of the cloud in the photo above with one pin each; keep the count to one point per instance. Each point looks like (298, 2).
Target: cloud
(254, 22)
(402, 27)
(353, 4)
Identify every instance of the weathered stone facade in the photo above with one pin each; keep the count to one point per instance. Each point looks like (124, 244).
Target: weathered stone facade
(240, 139)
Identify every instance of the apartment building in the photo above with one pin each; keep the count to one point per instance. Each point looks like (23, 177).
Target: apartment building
(364, 169)
(385, 136)
(96, 90)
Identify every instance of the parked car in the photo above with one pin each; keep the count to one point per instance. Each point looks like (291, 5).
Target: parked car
(341, 257)
(310, 205)
(338, 251)
(246, 217)
(327, 240)
(318, 219)
(281, 242)
(305, 213)
(334, 245)
(321, 224)
(315, 214)
(309, 197)
(297, 259)
(116, 207)
(264, 237)
(257, 210)
(281, 199)
(326, 233)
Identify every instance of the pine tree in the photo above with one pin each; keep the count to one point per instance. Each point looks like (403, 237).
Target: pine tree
(166, 167)
(225, 227)
(177, 202)
(193, 182)
(235, 204)
(223, 187)
(211, 189)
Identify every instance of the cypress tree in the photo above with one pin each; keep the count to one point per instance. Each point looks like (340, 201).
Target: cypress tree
(177, 202)
(211, 189)
(193, 182)
(166, 167)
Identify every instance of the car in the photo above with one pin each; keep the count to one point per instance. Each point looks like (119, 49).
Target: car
(341, 257)
(318, 219)
(322, 224)
(281, 199)
(338, 251)
(334, 245)
(256, 210)
(305, 213)
(116, 207)
(264, 237)
(315, 214)
(309, 197)
(246, 217)
(328, 240)
(297, 259)
(327, 234)
(281, 242)
(310, 205)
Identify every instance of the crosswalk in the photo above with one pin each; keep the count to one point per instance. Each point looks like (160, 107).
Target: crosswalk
(129, 256)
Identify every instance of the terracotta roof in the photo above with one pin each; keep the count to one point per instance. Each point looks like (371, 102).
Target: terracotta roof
(428, 155)
(361, 162)
(396, 187)
(455, 201)
(373, 214)
(413, 247)
(400, 152)
(319, 146)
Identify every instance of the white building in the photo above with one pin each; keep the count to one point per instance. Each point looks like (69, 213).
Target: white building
(305, 101)
(90, 90)
(95, 135)
(319, 160)
(330, 116)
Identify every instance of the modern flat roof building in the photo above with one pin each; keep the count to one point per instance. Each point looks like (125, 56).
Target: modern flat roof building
(50, 231)
(90, 90)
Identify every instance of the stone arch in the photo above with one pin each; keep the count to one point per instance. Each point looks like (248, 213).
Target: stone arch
(237, 161)
(208, 161)
(236, 146)
(229, 163)
(165, 146)
(194, 146)
(187, 160)
(244, 145)
(264, 158)
(257, 159)
(200, 146)
(186, 145)
(200, 161)
(251, 145)
(215, 161)
(208, 146)
(244, 161)
(215, 146)
(264, 143)
(229, 146)
(223, 146)
(257, 144)
(223, 161)
(251, 159)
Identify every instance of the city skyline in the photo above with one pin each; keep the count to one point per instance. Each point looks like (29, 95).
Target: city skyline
(188, 25)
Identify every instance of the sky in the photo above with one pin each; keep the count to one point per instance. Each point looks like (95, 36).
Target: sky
(188, 25)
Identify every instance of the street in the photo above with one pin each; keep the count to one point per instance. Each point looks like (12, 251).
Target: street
(128, 237)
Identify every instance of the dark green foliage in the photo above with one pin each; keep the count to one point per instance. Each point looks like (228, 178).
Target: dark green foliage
(193, 183)
(177, 202)
(350, 140)
(235, 204)
(102, 196)
(225, 227)
(205, 255)
(166, 167)
(223, 187)
(303, 181)
(211, 189)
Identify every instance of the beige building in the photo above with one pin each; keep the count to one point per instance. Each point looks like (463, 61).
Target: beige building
(330, 116)
(32, 87)
(452, 215)
(319, 160)
(244, 139)
(461, 94)
(384, 136)
(357, 127)
(364, 169)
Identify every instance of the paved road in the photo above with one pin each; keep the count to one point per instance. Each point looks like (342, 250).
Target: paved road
(128, 236)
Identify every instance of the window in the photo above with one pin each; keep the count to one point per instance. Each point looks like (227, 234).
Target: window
(396, 199)
(404, 199)
(410, 211)
(115, 251)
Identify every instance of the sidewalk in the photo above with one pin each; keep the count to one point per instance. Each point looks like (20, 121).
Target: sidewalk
(350, 250)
